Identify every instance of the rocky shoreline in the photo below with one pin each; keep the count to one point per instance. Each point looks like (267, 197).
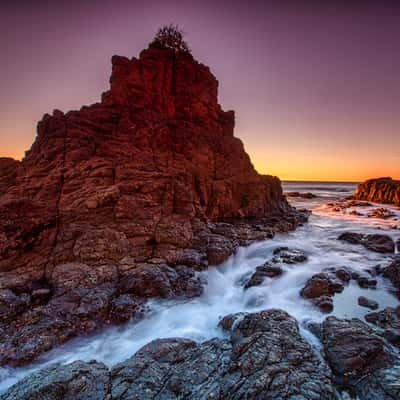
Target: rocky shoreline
(130, 200)
(263, 356)
(83, 298)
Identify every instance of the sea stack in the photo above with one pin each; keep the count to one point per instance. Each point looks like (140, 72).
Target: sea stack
(379, 190)
(122, 200)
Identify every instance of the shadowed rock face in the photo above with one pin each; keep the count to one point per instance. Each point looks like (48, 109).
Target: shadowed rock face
(380, 190)
(123, 200)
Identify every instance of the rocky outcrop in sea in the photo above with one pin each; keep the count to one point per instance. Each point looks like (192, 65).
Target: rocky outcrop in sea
(126, 200)
(379, 190)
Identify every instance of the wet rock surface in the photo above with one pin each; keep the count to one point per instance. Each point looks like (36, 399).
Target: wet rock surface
(360, 359)
(264, 357)
(267, 270)
(320, 288)
(368, 303)
(392, 272)
(388, 320)
(82, 310)
(376, 242)
(79, 380)
(271, 269)
(289, 256)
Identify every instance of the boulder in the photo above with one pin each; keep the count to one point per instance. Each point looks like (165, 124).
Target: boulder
(376, 242)
(368, 303)
(388, 320)
(392, 272)
(267, 270)
(360, 359)
(320, 288)
(289, 256)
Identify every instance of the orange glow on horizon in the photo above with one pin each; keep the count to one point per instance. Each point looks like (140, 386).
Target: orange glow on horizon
(289, 165)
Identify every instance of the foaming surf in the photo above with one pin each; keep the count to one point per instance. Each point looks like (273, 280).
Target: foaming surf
(224, 291)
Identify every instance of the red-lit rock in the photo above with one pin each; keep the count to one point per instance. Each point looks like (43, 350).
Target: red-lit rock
(143, 177)
(380, 190)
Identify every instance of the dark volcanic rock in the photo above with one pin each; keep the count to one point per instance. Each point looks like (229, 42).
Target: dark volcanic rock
(271, 270)
(392, 272)
(126, 196)
(12, 304)
(360, 359)
(161, 281)
(320, 288)
(380, 190)
(76, 381)
(365, 282)
(368, 303)
(306, 195)
(378, 243)
(127, 307)
(320, 284)
(352, 237)
(265, 357)
(343, 274)
(76, 312)
(267, 270)
(289, 256)
(389, 320)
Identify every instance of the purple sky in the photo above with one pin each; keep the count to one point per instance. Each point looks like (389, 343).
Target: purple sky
(315, 84)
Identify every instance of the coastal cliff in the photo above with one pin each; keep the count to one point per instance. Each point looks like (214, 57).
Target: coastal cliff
(124, 200)
(379, 190)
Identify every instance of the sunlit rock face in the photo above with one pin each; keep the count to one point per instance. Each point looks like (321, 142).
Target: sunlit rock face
(141, 179)
(380, 190)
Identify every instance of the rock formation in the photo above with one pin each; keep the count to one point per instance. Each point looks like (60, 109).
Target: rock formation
(380, 190)
(264, 356)
(374, 242)
(123, 200)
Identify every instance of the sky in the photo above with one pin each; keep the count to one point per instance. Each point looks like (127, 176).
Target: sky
(315, 85)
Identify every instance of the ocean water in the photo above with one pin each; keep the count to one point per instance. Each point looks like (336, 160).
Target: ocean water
(198, 318)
